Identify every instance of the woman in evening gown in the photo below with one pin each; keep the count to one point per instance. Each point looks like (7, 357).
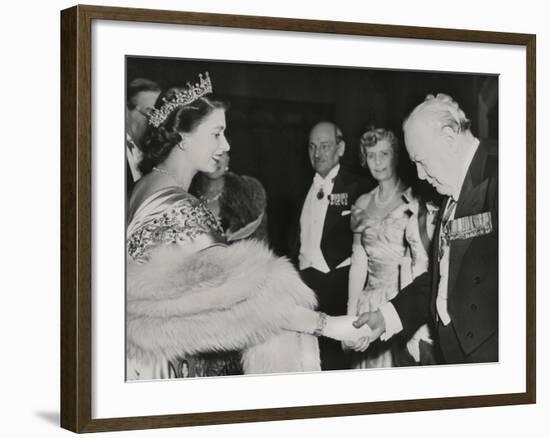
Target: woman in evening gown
(392, 231)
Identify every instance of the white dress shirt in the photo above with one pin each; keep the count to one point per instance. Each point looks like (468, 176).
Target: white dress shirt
(391, 317)
(312, 222)
(444, 253)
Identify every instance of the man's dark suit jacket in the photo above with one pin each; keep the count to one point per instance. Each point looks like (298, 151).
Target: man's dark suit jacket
(337, 237)
(129, 181)
(473, 269)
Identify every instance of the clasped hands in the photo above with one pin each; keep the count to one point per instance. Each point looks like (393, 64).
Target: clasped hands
(369, 326)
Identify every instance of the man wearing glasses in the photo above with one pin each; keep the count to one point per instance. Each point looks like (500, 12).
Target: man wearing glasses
(322, 238)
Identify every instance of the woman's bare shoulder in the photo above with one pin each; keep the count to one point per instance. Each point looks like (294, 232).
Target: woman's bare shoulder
(363, 200)
(145, 187)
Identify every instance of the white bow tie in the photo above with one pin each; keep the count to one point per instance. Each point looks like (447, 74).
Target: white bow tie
(321, 185)
(319, 181)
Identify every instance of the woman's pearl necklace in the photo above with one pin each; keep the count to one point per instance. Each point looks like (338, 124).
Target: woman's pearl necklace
(379, 202)
(170, 174)
(212, 199)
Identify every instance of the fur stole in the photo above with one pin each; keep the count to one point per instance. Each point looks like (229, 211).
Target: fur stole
(243, 200)
(219, 299)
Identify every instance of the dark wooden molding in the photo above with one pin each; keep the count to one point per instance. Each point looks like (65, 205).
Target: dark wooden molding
(299, 25)
(531, 219)
(69, 325)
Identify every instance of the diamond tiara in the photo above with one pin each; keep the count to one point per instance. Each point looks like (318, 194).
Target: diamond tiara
(187, 95)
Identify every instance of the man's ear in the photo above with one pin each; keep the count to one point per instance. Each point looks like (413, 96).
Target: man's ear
(449, 133)
(341, 148)
(449, 137)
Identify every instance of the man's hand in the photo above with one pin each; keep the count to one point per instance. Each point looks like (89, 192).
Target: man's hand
(376, 322)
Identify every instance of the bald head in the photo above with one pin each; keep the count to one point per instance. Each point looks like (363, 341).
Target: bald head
(438, 138)
(441, 110)
(326, 146)
(325, 128)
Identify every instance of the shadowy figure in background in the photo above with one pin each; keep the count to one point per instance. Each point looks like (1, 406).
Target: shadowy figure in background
(238, 201)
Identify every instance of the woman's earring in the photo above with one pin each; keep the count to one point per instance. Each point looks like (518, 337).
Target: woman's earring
(181, 145)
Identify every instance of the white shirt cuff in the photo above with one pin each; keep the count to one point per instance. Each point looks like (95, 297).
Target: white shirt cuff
(345, 263)
(391, 320)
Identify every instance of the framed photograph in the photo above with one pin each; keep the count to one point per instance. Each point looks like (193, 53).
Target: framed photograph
(301, 209)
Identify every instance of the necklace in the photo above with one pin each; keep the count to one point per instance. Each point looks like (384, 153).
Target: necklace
(379, 202)
(212, 199)
(170, 174)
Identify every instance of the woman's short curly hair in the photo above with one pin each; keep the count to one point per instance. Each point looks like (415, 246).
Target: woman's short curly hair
(373, 136)
(159, 141)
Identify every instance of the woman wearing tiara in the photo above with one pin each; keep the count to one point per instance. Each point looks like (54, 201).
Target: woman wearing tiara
(392, 232)
(190, 297)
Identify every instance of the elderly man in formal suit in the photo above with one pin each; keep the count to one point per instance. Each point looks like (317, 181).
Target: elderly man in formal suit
(322, 238)
(459, 294)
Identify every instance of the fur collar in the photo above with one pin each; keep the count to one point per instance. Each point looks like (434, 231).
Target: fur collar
(219, 299)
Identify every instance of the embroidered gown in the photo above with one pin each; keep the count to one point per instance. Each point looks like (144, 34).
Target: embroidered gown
(396, 255)
(196, 307)
(163, 219)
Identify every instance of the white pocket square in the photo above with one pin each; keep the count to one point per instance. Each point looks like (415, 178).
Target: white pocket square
(346, 212)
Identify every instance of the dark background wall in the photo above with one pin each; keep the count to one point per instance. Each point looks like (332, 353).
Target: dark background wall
(273, 107)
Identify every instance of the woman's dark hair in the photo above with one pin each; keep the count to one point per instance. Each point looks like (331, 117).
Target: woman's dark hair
(160, 141)
(371, 137)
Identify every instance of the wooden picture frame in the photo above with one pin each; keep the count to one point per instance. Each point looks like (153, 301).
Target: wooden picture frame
(76, 217)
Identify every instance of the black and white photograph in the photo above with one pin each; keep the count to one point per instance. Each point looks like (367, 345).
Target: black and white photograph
(327, 219)
(285, 218)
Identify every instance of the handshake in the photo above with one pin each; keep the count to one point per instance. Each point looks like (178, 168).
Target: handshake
(356, 333)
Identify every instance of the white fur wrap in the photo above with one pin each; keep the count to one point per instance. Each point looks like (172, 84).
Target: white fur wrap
(223, 298)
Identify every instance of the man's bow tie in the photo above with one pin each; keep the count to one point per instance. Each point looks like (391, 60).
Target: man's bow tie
(319, 182)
